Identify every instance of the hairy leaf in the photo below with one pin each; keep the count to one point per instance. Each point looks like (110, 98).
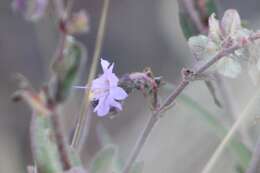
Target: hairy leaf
(44, 148)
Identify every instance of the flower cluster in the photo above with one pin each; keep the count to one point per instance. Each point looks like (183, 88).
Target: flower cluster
(222, 34)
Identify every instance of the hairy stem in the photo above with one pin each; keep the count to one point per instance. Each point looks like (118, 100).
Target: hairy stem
(187, 78)
(81, 122)
(61, 141)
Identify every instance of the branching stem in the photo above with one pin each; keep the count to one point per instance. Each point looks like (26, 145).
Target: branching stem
(186, 79)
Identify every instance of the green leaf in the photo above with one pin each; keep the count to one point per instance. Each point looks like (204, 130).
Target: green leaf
(104, 160)
(66, 68)
(240, 150)
(44, 149)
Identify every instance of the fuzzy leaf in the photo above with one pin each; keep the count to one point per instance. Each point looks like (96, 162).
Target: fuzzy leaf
(104, 160)
(44, 149)
(66, 68)
(198, 45)
(228, 67)
(231, 22)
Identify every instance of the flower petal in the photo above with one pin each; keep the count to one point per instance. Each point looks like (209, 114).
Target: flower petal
(104, 64)
(116, 104)
(118, 93)
(99, 83)
(103, 106)
(112, 78)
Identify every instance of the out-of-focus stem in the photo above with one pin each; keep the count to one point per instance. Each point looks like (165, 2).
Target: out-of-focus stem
(81, 122)
(231, 108)
(242, 117)
(187, 78)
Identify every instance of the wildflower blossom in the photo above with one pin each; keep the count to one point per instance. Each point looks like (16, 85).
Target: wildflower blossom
(106, 91)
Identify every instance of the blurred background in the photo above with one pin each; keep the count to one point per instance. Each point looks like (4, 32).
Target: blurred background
(139, 33)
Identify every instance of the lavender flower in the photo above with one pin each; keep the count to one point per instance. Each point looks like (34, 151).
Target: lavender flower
(105, 90)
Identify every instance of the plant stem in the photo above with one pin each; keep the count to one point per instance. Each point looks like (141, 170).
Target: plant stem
(61, 141)
(150, 124)
(81, 122)
(187, 78)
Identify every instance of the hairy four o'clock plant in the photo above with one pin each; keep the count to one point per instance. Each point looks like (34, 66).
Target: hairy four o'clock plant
(221, 50)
